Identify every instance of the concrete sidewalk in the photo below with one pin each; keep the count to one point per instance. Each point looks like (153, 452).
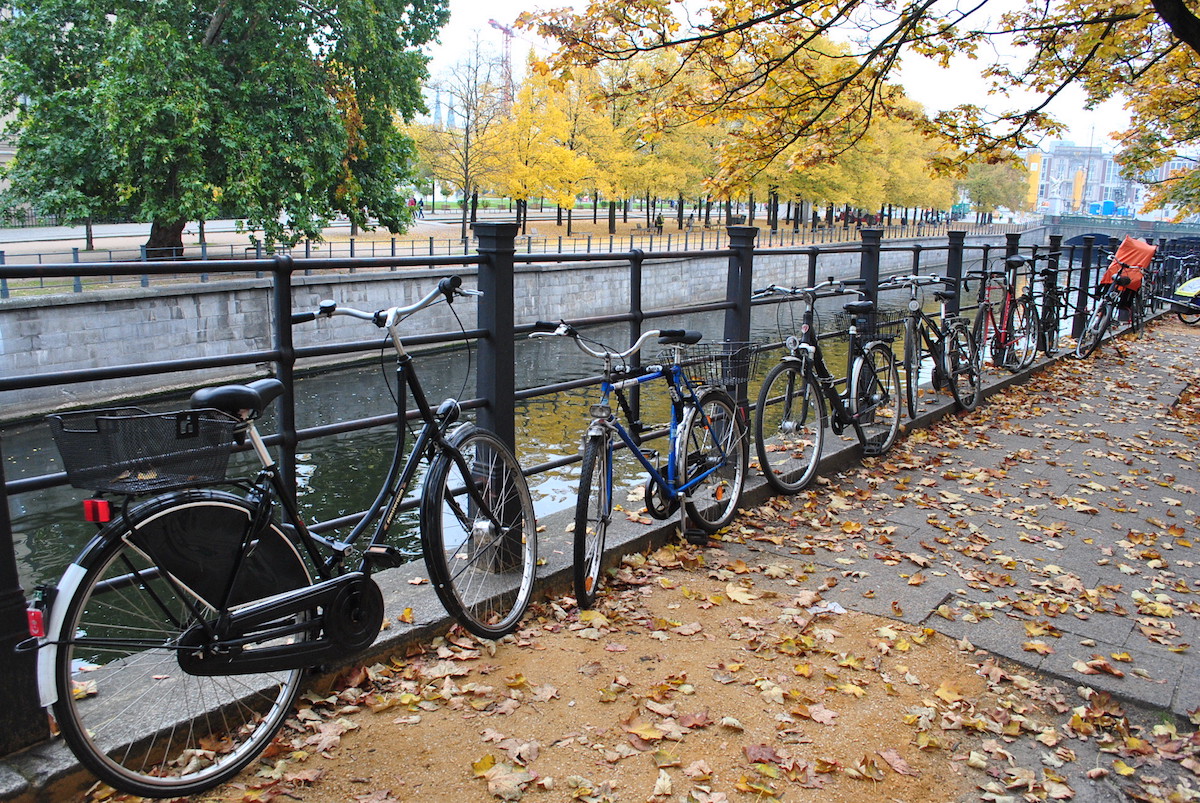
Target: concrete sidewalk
(1053, 527)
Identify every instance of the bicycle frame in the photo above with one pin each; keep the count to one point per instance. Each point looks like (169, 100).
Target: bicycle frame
(809, 345)
(680, 390)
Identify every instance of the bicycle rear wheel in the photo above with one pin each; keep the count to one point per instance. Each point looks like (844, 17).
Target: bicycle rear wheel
(593, 510)
(480, 548)
(1094, 330)
(789, 426)
(961, 366)
(125, 706)
(875, 398)
(712, 442)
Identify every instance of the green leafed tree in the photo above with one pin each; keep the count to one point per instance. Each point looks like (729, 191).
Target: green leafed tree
(280, 112)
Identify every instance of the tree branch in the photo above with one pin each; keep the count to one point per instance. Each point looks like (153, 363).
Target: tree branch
(1182, 22)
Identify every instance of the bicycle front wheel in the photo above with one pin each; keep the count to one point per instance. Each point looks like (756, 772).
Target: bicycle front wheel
(1050, 326)
(789, 427)
(478, 533)
(962, 366)
(1024, 334)
(875, 398)
(125, 706)
(712, 450)
(593, 510)
(1190, 318)
(912, 366)
(1094, 330)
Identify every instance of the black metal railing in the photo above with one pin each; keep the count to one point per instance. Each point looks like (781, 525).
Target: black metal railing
(495, 261)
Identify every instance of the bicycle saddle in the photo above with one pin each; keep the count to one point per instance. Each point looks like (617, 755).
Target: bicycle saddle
(944, 295)
(240, 401)
(859, 307)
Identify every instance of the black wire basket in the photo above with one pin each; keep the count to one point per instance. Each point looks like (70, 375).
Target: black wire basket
(130, 451)
(721, 364)
(871, 325)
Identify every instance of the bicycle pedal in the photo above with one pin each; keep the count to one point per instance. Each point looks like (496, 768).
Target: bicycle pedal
(383, 556)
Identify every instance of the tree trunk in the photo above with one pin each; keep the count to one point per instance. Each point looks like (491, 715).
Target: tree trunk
(463, 230)
(595, 206)
(89, 236)
(679, 209)
(569, 211)
(474, 206)
(166, 240)
(558, 215)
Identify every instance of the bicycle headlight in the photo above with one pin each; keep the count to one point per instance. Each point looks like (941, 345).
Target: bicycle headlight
(791, 342)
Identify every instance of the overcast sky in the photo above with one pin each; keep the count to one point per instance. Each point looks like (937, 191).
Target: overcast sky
(925, 83)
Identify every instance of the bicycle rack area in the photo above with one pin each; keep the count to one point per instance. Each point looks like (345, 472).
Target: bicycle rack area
(495, 267)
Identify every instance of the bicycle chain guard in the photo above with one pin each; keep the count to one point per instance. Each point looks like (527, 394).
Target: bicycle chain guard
(346, 612)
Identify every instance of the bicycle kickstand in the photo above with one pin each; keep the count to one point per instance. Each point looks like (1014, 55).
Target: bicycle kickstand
(693, 535)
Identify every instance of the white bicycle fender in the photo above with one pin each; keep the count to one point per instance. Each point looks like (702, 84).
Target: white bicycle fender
(47, 656)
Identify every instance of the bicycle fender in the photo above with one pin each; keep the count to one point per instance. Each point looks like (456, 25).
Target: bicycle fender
(47, 657)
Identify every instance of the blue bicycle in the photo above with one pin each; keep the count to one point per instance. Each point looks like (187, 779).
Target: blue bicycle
(707, 450)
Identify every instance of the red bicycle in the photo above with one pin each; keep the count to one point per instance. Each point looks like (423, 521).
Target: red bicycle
(1007, 327)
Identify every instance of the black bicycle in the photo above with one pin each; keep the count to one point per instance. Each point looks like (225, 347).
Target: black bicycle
(947, 342)
(790, 419)
(177, 641)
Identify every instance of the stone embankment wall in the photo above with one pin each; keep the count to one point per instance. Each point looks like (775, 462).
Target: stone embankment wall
(105, 328)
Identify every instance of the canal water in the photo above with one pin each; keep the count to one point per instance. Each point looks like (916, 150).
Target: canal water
(340, 475)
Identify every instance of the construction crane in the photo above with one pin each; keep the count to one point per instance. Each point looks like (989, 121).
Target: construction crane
(506, 63)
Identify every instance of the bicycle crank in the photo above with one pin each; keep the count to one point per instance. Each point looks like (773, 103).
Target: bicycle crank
(658, 504)
(292, 630)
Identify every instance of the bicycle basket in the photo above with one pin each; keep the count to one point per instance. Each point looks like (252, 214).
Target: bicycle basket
(720, 364)
(128, 450)
(875, 324)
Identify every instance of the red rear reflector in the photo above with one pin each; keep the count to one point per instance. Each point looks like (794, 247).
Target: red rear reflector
(36, 628)
(98, 511)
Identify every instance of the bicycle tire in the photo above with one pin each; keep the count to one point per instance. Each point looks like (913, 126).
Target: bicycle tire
(712, 436)
(789, 426)
(875, 398)
(1024, 333)
(1050, 327)
(593, 509)
(1094, 330)
(476, 556)
(1190, 318)
(133, 716)
(912, 366)
(961, 368)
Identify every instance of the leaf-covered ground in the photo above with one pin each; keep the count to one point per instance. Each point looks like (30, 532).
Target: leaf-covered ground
(809, 654)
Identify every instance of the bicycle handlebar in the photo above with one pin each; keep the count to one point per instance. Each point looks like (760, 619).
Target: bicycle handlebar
(448, 287)
(564, 329)
(917, 280)
(844, 286)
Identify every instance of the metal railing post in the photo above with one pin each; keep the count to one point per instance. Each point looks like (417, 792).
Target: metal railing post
(281, 300)
(868, 268)
(1084, 289)
(496, 380)
(4, 280)
(25, 723)
(954, 266)
(739, 286)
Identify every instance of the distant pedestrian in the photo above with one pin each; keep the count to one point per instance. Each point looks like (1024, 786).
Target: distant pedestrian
(658, 224)
(421, 208)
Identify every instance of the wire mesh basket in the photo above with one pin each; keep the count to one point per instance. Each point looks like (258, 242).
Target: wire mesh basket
(871, 324)
(722, 363)
(130, 451)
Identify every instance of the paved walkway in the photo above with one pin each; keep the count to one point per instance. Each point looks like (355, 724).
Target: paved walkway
(1054, 527)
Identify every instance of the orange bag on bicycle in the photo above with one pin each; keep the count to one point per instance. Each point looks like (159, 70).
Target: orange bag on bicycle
(1135, 253)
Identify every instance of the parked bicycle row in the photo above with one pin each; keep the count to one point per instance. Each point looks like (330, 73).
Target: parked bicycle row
(195, 610)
